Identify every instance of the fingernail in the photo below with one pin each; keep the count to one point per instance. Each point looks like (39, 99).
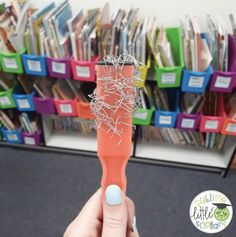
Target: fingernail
(113, 195)
(134, 225)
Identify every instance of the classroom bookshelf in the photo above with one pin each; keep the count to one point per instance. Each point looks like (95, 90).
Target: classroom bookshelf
(170, 136)
(186, 156)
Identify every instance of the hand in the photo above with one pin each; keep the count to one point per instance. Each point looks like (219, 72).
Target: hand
(112, 217)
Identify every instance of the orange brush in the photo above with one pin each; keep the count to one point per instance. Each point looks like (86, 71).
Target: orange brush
(113, 105)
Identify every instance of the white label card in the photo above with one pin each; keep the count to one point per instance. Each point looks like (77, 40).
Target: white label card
(211, 124)
(12, 137)
(196, 82)
(231, 127)
(82, 71)
(141, 115)
(223, 82)
(165, 119)
(66, 108)
(187, 123)
(34, 66)
(23, 103)
(30, 141)
(59, 67)
(5, 101)
(10, 63)
(168, 78)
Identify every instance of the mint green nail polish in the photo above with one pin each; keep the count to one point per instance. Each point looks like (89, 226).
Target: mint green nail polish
(113, 195)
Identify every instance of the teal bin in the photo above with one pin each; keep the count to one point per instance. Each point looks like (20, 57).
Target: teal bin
(12, 137)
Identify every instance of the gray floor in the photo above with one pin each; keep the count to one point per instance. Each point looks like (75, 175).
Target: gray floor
(40, 193)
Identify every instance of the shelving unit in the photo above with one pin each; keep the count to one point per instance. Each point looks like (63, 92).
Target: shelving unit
(68, 140)
(189, 157)
(155, 153)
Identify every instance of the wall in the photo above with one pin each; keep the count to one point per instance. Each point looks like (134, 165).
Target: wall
(169, 11)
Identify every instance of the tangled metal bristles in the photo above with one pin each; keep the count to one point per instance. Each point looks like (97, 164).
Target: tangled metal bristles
(123, 88)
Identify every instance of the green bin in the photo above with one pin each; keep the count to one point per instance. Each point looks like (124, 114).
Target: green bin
(169, 77)
(143, 116)
(11, 62)
(6, 99)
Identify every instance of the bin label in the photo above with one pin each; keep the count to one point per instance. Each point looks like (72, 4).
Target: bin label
(59, 67)
(165, 119)
(12, 137)
(231, 127)
(223, 82)
(187, 123)
(66, 108)
(168, 78)
(29, 141)
(34, 66)
(141, 115)
(211, 124)
(196, 82)
(82, 71)
(5, 101)
(10, 63)
(23, 103)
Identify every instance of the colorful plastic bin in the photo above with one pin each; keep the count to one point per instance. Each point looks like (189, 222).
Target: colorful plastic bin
(169, 77)
(11, 62)
(32, 139)
(66, 107)
(188, 121)
(6, 99)
(167, 119)
(214, 123)
(143, 69)
(195, 82)
(84, 110)
(84, 70)
(59, 68)
(24, 102)
(44, 105)
(34, 64)
(229, 127)
(13, 136)
(225, 81)
(143, 116)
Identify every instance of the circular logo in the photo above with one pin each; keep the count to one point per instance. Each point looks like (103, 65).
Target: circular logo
(211, 211)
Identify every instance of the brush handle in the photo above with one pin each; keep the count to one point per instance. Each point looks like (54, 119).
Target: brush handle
(114, 149)
(114, 171)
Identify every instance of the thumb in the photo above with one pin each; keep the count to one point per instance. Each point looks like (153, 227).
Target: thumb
(115, 213)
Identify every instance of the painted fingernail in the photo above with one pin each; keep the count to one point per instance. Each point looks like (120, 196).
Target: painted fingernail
(113, 195)
(134, 225)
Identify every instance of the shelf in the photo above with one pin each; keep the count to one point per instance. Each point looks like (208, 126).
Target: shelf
(68, 140)
(187, 154)
(73, 141)
(151, 152)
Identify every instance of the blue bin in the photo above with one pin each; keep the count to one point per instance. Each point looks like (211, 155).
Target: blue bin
(24, 102)
(34, 65)
(12, 137)
(167, 119)
(195, 82)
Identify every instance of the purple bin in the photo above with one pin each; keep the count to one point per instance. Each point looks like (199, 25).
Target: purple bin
(44, 106)
(188, 121)
(32, 139)
(225, 81)
(59, 68)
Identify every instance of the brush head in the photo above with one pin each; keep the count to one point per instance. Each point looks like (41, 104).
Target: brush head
(113, 102)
